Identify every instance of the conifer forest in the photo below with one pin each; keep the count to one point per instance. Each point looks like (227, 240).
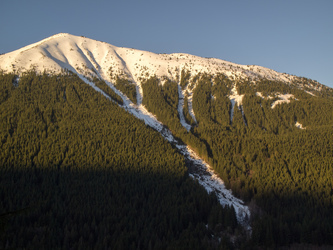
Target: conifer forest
(77, 171)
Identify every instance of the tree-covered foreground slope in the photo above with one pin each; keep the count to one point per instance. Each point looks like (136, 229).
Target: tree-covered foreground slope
(260, 150)
(78, 172)
(267, 134)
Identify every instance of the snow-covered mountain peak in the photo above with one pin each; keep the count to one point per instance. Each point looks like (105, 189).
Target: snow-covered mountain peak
(89, 57)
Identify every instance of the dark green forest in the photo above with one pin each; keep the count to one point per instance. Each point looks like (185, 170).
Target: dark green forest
(284, 173)
(79, 172)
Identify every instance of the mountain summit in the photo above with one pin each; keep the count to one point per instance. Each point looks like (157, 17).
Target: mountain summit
(89, 57)
(86, 56)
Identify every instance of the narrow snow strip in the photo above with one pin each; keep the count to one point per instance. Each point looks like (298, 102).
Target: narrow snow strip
(235, 98)
(190, 107)
(91, 84)
(233, 103)
(310, 93)
(139, 93)
(139, 111)
(180, 109)
(206, 176)
(242, 111)
(260, 95)
(16, 81)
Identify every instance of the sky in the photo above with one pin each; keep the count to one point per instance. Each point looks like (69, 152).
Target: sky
(289, 36)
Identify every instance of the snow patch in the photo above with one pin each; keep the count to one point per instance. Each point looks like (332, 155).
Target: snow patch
(260, 95)
(263, 97)
(299, 125)
(284, 98)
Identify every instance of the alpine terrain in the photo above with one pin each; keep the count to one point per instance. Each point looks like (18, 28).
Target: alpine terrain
(111, 147)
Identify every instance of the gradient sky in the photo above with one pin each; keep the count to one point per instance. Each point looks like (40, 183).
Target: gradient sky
(294, 36)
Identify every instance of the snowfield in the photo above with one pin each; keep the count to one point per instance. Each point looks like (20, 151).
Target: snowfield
(90, 58)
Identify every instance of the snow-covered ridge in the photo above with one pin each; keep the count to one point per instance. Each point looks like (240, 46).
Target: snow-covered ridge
(81, 53)
(25, 48)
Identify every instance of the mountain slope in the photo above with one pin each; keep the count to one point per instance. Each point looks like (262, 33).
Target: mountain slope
(77, 171)
(92, 59)
(245, 122)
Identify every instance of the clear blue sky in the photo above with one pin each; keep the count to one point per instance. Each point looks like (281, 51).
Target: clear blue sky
(294, 36)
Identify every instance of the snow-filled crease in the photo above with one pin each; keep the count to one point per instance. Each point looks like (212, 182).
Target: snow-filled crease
(180, 109)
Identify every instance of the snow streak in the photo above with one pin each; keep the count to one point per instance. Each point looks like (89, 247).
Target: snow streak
(180, 109)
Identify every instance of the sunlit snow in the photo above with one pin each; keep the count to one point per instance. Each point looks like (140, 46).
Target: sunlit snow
(299, 125)
(283, 98)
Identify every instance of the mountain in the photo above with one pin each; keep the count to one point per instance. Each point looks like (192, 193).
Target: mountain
(93, 59)
(268, 135)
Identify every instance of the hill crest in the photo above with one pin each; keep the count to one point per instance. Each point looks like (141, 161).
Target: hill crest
(90, 57)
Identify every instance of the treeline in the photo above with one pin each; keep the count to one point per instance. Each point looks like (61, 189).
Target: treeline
(77, 171)
(282, 171)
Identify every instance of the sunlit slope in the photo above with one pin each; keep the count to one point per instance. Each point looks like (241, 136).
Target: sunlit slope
(87, 56)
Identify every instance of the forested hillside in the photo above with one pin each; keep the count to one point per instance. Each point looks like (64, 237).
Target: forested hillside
(79, 169)
(78, 172)
(282, 170)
